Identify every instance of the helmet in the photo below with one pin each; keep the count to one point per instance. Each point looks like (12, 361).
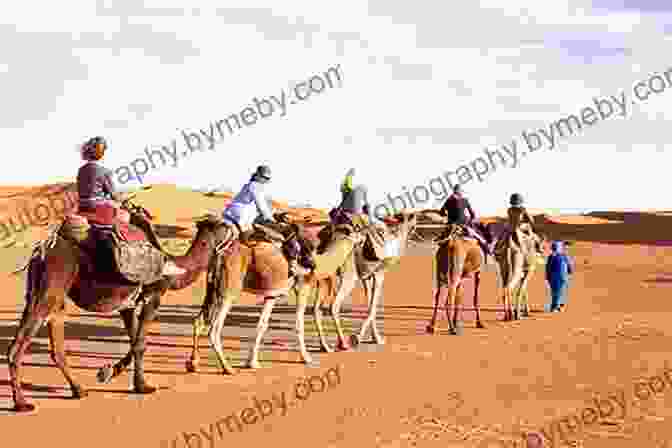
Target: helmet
(263, 172)
(94, 148)
(516, 200)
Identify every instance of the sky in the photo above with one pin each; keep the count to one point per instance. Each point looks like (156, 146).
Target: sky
(424, 88)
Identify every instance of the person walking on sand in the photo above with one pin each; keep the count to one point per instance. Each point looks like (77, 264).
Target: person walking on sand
(558, 271)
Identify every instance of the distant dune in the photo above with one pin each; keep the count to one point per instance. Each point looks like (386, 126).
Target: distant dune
(173, 206)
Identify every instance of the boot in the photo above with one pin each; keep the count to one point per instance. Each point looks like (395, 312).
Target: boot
(171, 269)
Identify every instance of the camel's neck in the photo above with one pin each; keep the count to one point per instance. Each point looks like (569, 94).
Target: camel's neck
(195, 262)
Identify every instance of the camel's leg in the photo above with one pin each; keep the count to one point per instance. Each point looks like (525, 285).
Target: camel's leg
(56, 339)
(347, 286)
(317, 315)
(523, 297)
(28, 328)
(456, 327)
(376, 294)
(370, 290)
(262, 326)
(301, 301)
(441, 294)
(215, 333)
(149, 310)
(477, 307)
(197, 325)
(450, 304)
(109, 372)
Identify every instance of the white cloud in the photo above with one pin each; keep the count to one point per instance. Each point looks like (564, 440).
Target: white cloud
(425, 88)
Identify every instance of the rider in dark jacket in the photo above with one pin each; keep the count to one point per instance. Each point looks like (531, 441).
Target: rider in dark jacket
(455, 209)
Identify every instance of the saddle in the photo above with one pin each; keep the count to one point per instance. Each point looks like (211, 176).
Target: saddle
(452, 232)
(294, 246)
(115, 245)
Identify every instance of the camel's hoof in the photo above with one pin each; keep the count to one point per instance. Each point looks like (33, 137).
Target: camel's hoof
(144, 388)
(343, 346)
(253, 365)
(326, 349)
(430, 329)
(78, 392)
(354, 340)
(379, 341)
(104, 374)
(24, 407)
(479, 325)
(310, 362)
(191, 366)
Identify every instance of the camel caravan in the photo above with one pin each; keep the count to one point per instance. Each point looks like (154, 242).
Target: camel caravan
(107, 257)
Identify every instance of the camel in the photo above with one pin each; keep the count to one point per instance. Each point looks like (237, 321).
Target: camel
(60, 267)
(457, 259)
(372, 275)
(516, 266)
(262, 270)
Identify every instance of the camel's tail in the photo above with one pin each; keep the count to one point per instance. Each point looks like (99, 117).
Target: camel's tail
(36, 267)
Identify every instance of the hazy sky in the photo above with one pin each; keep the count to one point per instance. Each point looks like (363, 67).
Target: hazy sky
(426, 87)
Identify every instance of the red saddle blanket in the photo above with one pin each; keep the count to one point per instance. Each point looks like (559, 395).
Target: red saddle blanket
(108, 215)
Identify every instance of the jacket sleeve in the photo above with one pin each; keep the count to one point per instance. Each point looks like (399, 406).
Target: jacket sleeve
(261, 201)
(471, 210)
(108, 185)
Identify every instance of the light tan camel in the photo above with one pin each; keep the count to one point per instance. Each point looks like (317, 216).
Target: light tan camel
(263, 270)
(517, 263)
(456, 259)
(372, 275)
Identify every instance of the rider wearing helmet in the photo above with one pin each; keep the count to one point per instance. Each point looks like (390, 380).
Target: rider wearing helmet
(98, 199)
(454, 209)
(251, 202)
(252, 205)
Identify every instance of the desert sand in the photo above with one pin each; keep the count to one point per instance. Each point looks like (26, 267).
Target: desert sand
(481, 389)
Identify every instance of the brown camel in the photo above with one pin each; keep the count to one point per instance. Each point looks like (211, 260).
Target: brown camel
(457, 258)
(359, 267)
(517, 263)
(60, 267)
(261, 269)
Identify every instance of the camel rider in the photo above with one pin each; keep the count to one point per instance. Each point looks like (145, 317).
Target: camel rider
(252, 205)
(519, 218)
(98, 196)
(454, 209)
(346, 186)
